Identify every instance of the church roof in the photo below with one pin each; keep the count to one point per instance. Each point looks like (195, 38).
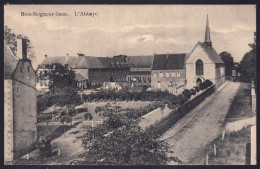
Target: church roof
(210, 51)
(10, 62)
(169, 61)
(140, 61)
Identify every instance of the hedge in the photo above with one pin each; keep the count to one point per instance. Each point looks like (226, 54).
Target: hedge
(174, 116)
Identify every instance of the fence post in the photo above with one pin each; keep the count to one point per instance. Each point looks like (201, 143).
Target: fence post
(207, 159)
(223, 135)
(215, 150)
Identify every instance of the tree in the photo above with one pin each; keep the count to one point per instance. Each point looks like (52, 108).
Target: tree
(127, 144)
(229, 62)
(10, 39)
(247, 66)
(88, 116)
(61, 77)
(44, 147)
(63, 120)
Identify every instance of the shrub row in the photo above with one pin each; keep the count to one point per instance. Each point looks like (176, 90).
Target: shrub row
(169, 121)
(128, 96)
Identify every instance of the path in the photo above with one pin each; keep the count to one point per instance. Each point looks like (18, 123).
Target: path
(189, 137)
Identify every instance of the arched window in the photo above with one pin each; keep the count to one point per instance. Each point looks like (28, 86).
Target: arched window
(199, 67)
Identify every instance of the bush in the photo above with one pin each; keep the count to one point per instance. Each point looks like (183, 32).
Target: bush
(45, 147)
(88, 116)
(205, 84)
(80, 110)
(114, 121)
(182, 99)
(197, 88)
(187, 93)
(193, 92)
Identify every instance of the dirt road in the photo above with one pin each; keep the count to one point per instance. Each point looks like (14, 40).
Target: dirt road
(189, 143)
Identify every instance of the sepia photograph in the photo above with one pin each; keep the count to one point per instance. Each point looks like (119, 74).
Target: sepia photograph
(130, 84)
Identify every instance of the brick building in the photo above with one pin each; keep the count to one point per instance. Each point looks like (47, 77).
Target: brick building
(168, 72)
(90, 71)
(140, 70)
(20, 113)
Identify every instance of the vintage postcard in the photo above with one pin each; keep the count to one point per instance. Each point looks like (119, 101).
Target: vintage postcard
(130, 84)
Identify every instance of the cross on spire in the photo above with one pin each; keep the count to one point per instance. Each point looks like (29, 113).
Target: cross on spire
(207, 34)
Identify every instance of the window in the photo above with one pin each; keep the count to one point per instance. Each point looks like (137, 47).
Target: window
(17, 90)
(161, 74)
(28, 69)
(158, 84)
(173, 73)
(167, 74)
(199, 67)
(21, 69)
(154, 75)
(178, 73)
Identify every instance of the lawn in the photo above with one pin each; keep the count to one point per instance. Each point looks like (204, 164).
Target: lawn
(232, 150)
(241, 106)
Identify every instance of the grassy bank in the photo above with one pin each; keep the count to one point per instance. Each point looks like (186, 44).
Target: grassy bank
(232, 150)
(241, 106)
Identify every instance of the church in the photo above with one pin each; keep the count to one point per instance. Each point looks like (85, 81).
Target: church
(202, 63)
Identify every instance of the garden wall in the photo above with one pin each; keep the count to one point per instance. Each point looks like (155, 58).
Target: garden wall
(153, 117)
(168, 121)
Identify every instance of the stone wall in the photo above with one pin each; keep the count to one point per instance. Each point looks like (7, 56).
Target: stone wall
(24, 109)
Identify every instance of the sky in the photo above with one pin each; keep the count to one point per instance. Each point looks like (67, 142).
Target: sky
(132, 29)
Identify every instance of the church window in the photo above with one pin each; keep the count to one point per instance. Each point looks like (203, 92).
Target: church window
(199, 67)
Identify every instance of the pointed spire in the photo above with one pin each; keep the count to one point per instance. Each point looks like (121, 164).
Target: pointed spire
(207, 34)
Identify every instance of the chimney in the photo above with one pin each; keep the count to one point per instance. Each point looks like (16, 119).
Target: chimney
(80, 54)
(22, 49)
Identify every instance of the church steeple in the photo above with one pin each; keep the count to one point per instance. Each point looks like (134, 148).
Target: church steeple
(207, 34)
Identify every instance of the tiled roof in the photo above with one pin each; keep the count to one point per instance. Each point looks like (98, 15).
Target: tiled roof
(63, 60)
(86, 62)
(140, 61)
(169, 61)
(211, 52)
(10, 62)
